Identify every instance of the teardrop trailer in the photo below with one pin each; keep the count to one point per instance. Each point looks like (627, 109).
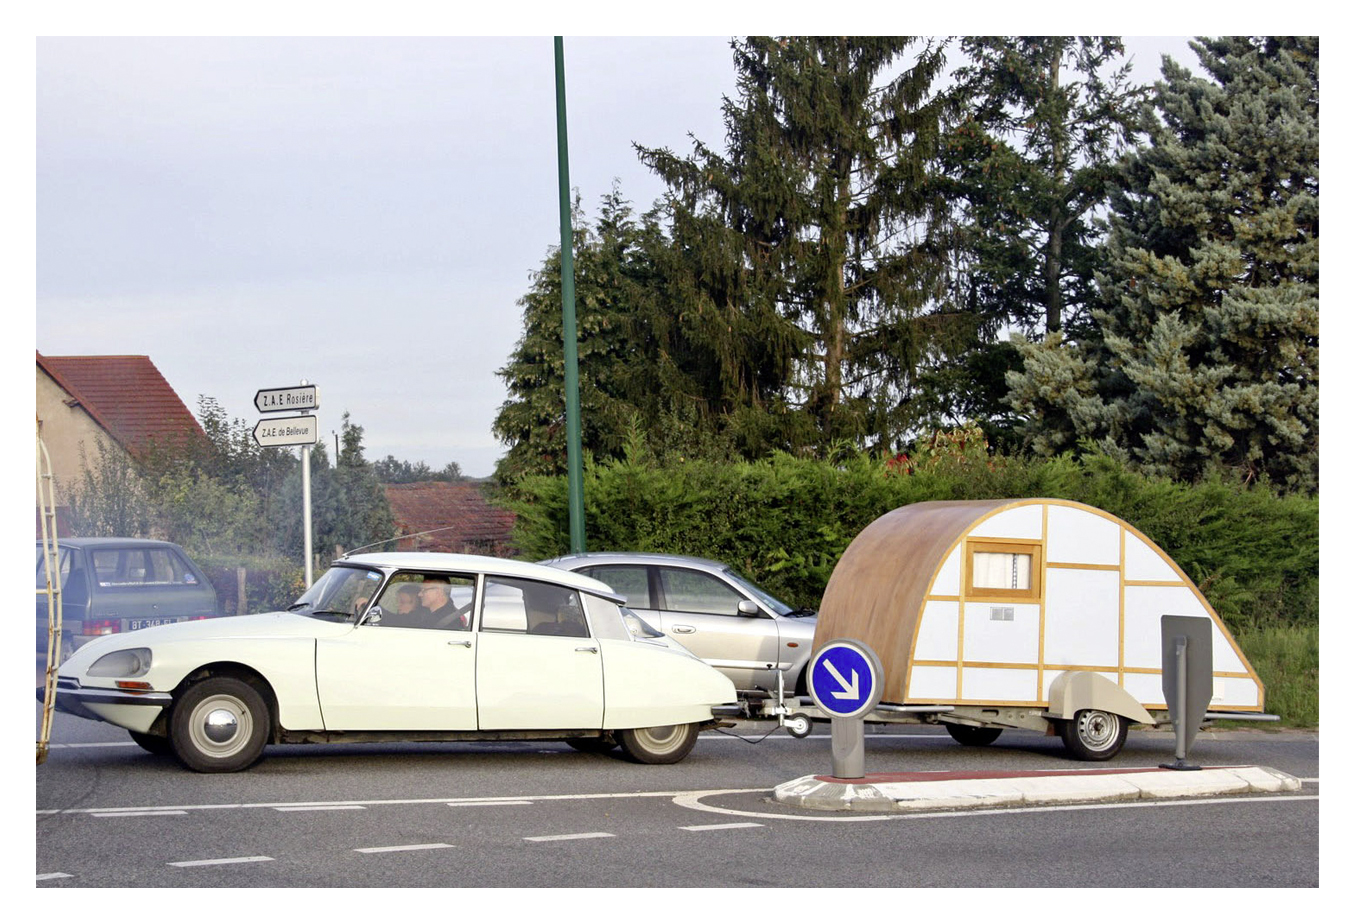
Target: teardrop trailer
(1037, 614)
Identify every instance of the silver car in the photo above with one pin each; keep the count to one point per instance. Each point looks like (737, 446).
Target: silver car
(722, 617)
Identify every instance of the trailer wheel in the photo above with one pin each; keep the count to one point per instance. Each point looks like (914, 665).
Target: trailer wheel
(219, 725)
(659, 744)
(799, 726)
(1094, 735)
(973, 735)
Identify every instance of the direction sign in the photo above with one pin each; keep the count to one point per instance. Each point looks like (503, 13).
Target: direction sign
(288, 431)
(845, 678)
(287, 399)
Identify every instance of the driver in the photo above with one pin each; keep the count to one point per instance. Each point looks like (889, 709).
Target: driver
(441, 613)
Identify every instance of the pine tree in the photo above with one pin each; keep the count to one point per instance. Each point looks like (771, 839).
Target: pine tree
(1208, 356)
(798, 248)
(641, 364)
(1043, 121)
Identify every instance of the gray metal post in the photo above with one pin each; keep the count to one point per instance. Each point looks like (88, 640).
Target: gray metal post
(305, 490)
(847, 748)
(1181, 649)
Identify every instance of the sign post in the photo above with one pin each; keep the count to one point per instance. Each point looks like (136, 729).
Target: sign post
(845, 679)
(1186, 678)
(292, 431)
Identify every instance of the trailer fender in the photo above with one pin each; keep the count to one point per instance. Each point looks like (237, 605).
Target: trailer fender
(1072, 692)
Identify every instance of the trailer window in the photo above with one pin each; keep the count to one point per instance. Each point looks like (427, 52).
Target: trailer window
(1003, 570)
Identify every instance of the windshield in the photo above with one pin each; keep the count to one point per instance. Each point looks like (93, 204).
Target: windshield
(340, 594)
(759, 593)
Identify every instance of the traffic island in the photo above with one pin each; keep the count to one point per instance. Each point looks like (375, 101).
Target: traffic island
(953, 790)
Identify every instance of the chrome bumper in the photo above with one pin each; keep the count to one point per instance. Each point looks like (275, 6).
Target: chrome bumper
(73, 699)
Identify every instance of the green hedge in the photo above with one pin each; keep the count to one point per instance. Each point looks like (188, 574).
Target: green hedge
(785, 521)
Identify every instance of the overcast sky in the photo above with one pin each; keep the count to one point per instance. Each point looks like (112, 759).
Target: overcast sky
(362, 213)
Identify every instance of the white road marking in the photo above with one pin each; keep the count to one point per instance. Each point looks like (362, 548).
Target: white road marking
(46, 876)
(400, 847)
(140, 812)
(721, 827)
(334, 807)
(503, 802)
(440, 800)
(578, 837)
(217, 861)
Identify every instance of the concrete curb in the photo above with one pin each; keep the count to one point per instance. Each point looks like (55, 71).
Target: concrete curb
(887, 793)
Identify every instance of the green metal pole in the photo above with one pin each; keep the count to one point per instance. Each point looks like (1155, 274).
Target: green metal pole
(572, 421)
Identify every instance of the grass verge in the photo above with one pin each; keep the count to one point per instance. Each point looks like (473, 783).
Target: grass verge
(1287, 659)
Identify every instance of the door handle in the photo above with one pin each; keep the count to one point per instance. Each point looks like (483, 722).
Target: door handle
(591, 649)
(682, 628)
(465, 643)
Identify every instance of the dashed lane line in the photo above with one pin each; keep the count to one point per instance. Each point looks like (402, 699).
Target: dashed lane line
(723, 827)
(218, 861)
(576, 837)
(391, 848)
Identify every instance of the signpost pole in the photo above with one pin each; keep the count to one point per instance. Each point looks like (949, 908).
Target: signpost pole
(305, 491)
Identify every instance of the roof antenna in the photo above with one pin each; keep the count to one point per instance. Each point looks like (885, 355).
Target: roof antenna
(397, 537)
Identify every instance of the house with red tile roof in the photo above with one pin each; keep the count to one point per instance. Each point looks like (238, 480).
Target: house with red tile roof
(89, 403)
(450, 518)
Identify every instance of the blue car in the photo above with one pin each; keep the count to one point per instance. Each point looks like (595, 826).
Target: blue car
(118, 585)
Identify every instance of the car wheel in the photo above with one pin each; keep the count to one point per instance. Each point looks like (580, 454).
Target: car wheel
(156, 745)
(1094, 735)
(973, 735)
(659, 744)
(596, 746)
(219, 725)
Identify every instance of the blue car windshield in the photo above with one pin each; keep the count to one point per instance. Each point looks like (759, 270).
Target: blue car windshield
(342, 593)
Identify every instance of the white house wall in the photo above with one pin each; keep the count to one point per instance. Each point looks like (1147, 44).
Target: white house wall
(1102, 591)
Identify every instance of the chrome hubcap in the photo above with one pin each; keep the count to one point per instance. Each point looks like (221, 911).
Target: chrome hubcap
(220, 726)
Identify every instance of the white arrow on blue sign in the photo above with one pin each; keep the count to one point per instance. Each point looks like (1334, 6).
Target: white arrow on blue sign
(845, 679)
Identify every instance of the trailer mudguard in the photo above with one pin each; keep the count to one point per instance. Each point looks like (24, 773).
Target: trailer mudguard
(1072, 692)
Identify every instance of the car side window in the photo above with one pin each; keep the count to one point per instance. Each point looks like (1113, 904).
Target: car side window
(525, 606)
(426, 600)
(630, 581)
(697, 593)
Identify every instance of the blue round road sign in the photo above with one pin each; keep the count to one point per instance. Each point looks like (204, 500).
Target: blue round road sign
(845, 678)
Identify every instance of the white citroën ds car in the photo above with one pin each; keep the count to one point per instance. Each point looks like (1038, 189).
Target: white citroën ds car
(401, 647)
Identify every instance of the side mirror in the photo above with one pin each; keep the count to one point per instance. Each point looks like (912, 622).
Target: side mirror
(747, 608)
(372, 616)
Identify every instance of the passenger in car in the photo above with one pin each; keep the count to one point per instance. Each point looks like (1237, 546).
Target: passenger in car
(408, 611)
(441, 613)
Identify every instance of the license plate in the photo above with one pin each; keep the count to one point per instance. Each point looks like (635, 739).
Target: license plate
(151, 622)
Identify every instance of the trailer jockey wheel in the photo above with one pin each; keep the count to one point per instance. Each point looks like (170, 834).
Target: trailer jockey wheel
(799, 726)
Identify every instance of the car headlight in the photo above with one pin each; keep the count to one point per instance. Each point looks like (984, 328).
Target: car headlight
(125, 663)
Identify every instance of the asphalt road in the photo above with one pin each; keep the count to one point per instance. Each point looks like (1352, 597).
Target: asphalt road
(542, 815)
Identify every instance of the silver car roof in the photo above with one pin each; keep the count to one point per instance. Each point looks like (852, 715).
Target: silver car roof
(571, 560)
